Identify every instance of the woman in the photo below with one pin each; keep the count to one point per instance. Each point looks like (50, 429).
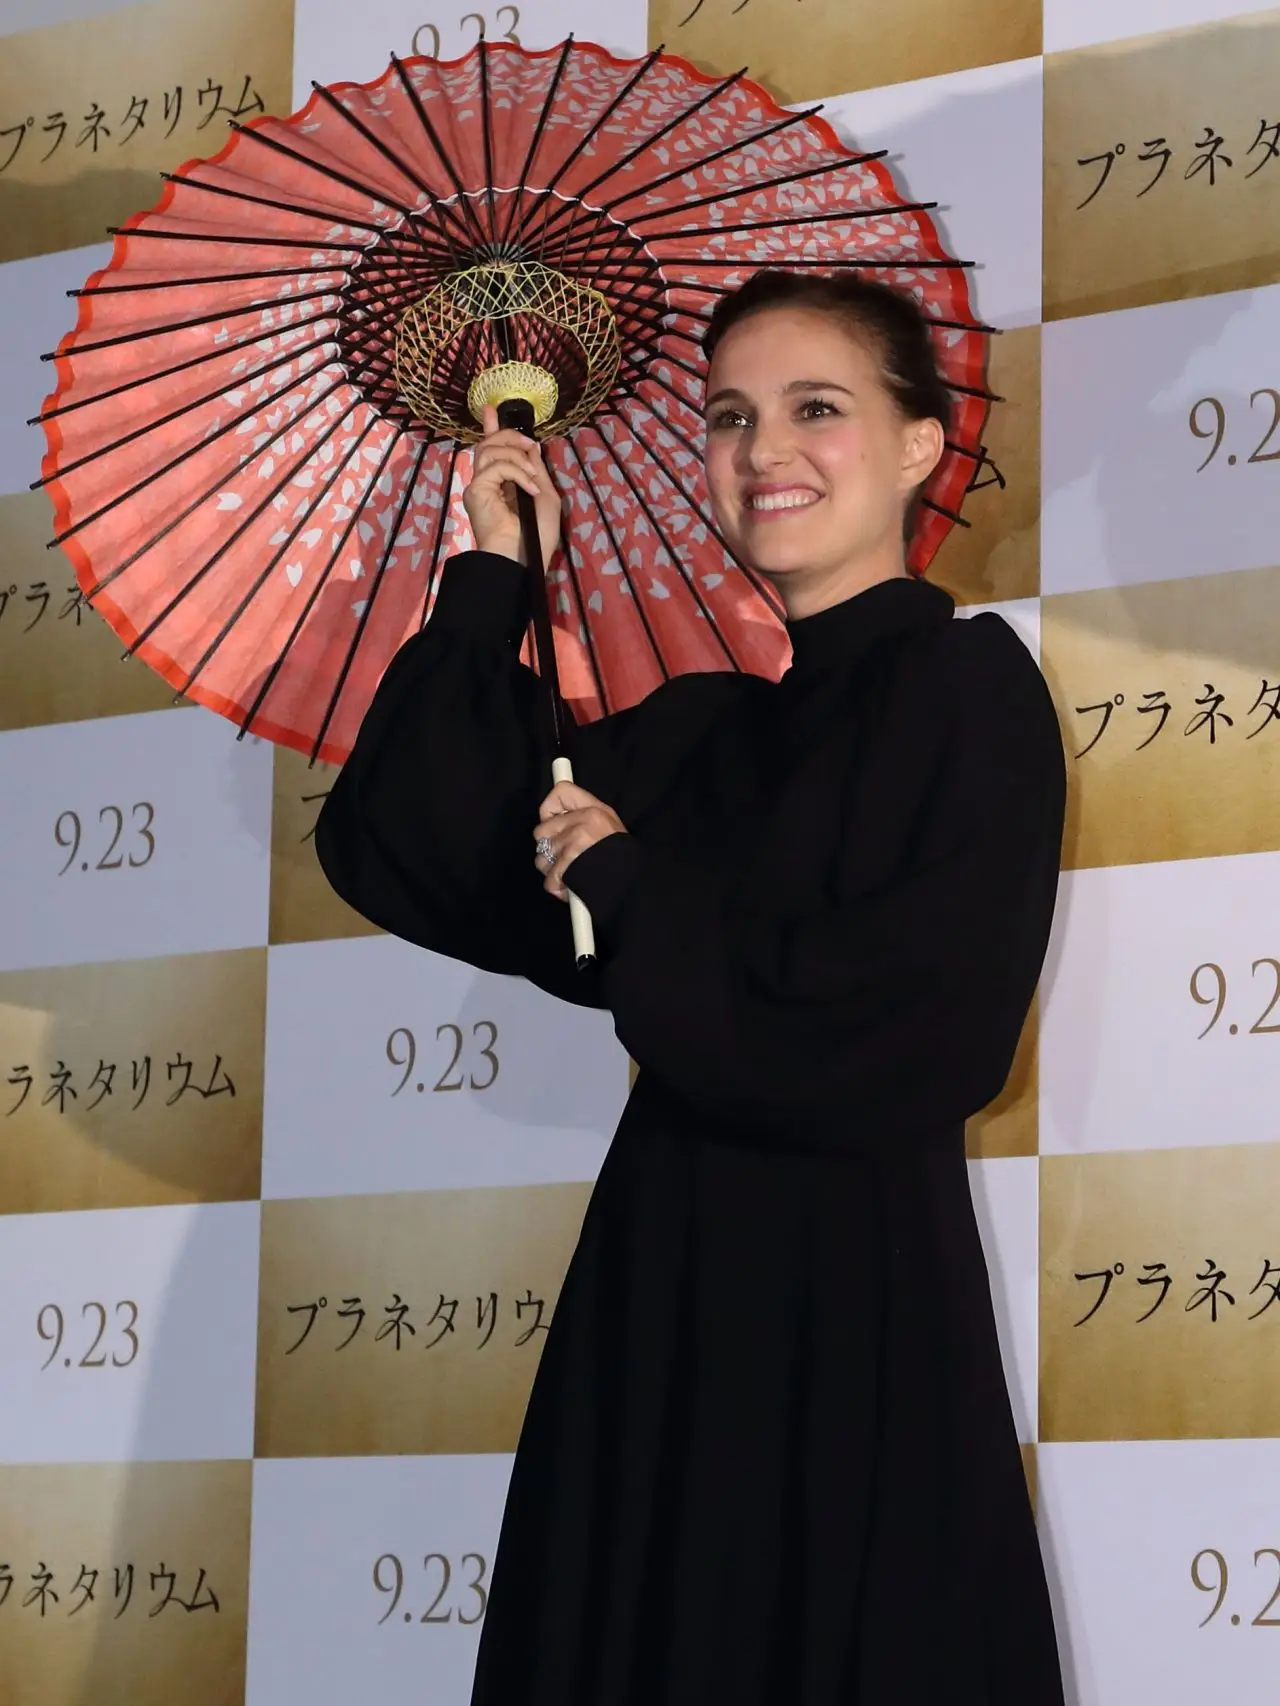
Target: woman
(769, 1457)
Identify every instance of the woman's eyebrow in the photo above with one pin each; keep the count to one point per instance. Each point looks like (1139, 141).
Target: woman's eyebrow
(795, 385)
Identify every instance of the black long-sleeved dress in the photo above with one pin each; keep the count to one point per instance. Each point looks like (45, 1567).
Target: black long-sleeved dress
(769, 1457)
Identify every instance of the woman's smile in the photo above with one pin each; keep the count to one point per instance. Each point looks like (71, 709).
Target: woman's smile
(770, 501)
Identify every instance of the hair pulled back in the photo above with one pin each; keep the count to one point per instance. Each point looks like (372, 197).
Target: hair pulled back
(882, 319)
(885, 321)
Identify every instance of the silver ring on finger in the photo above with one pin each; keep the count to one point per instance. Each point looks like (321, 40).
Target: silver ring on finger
(546, 851)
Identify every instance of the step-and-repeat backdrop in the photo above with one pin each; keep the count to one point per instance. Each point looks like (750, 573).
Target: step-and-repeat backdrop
(286, 1202)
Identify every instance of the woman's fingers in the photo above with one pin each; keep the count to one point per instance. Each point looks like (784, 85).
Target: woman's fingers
(500, 467)
(565, 831)
(560, 844)
(566, 797)
(509, 442)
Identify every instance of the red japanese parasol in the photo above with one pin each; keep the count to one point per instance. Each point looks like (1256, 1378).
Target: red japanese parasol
(261, 428)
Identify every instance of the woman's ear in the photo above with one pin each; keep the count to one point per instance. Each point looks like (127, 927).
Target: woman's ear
(922, 445)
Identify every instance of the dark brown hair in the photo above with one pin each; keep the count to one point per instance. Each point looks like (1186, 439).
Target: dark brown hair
(885, 321)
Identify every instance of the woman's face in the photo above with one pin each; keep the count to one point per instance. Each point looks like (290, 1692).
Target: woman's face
(809, 462)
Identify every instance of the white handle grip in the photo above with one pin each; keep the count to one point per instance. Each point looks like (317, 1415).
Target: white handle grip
(584, 936)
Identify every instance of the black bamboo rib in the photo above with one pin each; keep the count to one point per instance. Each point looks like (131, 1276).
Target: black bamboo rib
(631, 394)
(636, 598)
(465, 209)
(357, 338)
(185, 367)
(738, 146)
(486, 139)
(329, 215)
(698, 233)
(176, 521)
(748, 190)
(785, 265)
(588, 136)
(441, 518)
(560, 481)
(623, 568)
(780, 262)
(635, 290)
(657, 353)
(597, 124)
(638, 307)
(951, 514)
(378, 277)
(239, 381)
(237, 237)
(535, 141)
(686, 337)
(849, 214)
(564, 487)
(687, 575)
(971, 391)
(593, 267)
(671, 550)
(649, 374)
(264, 574)
(322, 580)
(224, 314)
(326, 216)
(159, 473)
(975, 453)
(274, 144)
(235, 384)
(148, 332)
(645, 143)
(653, 348)
(203, 278)
(704, 318)
(456, 255)
(375, 587)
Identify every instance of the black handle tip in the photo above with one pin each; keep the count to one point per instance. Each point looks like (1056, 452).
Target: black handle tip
(517, 412)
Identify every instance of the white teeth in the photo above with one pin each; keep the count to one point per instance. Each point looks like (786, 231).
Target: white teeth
(783, 500)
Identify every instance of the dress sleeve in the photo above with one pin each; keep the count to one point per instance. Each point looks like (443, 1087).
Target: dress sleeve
(895, 1011)
(427, 830)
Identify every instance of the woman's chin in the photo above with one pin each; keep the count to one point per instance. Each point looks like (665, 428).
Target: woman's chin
(779, 564)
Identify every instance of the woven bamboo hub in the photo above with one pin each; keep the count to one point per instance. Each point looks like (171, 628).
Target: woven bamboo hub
(505, 329)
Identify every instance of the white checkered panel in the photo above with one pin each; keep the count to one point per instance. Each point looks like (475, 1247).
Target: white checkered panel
(391, 1069)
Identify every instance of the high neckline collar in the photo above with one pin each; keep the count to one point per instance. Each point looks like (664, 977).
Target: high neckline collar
(839, 634)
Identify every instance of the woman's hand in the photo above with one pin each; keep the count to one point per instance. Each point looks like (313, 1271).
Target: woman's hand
(570, 820)
(504, 459)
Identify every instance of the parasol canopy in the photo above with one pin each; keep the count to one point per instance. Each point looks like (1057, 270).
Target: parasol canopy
(262, 422)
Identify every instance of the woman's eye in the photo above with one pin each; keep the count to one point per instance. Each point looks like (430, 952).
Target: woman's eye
(814, 408)
(727, 418)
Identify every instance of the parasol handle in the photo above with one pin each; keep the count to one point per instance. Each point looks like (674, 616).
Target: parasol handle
(584, 936)
(518, 413)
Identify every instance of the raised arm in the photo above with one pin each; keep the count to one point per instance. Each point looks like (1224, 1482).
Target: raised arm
(427, 830)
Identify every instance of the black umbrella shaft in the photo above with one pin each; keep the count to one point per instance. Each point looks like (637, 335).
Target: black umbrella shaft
(518, 413)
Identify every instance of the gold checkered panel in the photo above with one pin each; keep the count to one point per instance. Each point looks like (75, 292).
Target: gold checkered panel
(286, 1204)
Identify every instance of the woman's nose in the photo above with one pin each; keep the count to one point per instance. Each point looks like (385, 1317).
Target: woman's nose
(767, 448)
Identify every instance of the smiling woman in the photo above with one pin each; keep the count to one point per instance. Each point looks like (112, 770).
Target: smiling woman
(770, 1421)
(829, 414)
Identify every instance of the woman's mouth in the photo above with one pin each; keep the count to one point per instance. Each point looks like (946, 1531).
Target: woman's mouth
(781, 500)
